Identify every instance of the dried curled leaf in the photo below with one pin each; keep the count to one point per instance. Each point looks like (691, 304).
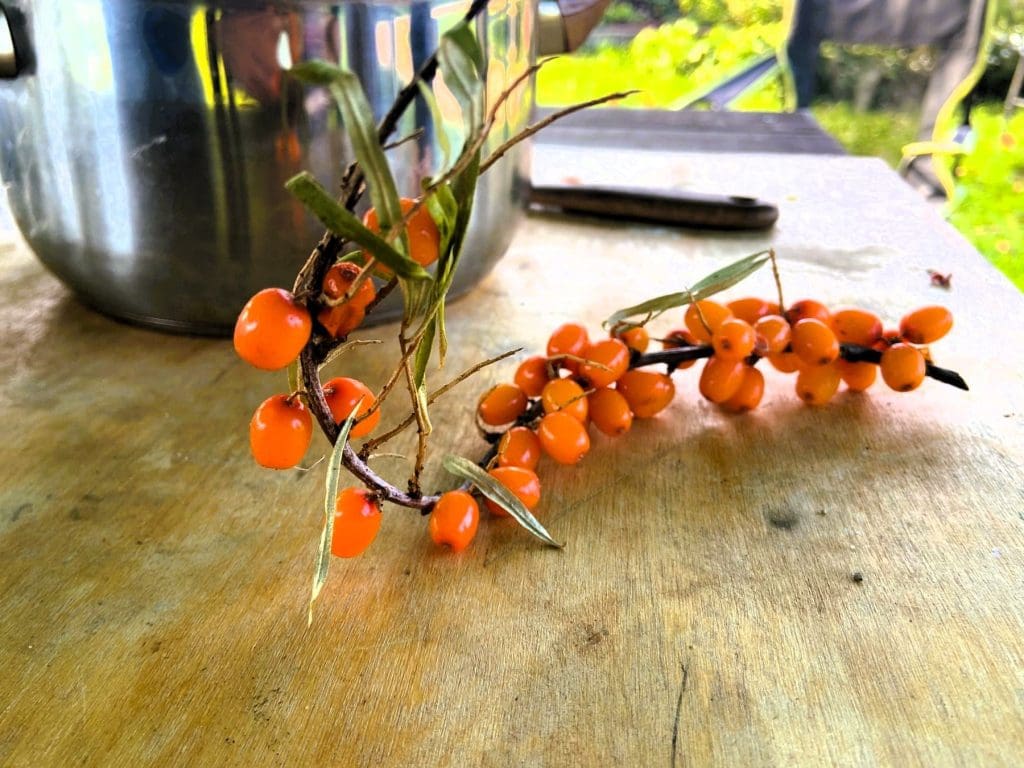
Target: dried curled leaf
(466, 470)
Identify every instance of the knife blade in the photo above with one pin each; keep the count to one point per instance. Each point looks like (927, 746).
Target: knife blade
(678, 208)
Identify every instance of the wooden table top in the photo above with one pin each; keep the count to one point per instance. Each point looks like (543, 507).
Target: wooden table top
(154, 582)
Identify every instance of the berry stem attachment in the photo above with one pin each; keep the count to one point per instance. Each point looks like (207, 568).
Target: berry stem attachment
(855, 353)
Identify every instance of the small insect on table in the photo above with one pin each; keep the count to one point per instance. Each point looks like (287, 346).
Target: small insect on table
(837, 585)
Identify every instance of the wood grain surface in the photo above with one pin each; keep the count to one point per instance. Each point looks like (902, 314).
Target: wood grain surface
(705, 611)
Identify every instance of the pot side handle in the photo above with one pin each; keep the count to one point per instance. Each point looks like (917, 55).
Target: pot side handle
(9, 66)
(565, 24)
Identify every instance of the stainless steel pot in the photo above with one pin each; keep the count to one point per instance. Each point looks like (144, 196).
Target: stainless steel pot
(144, 143)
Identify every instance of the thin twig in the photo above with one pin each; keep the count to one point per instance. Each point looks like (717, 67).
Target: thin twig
(539, 126)
(404, 140)
(778, 280)
(369, 445)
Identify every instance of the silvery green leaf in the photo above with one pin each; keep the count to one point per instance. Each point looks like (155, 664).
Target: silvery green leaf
(466, 470)
(323, 557)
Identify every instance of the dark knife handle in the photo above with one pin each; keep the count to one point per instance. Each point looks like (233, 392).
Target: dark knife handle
(684, 209)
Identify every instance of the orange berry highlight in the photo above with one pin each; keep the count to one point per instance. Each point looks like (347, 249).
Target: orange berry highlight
(751, 309)
(610, 412)
(772, 335)
(856, 326)
(454, 520)
(814, 342)
(424, 238)
(925, 325)
(271, 329)
(501, 404)
(342, 394)
(808, 308)
(612, 359)
(519, 447)
(342, 319)
(565, 395)
(721, 378)
(712, 312)
(524, 484)
(816, 384)
(356, 522)
(532, 375)
(750, 392)
(733, 339)
(648, 393)
(280, 432)
(857, 376)
(563, 437)
(903, 367)
(568, 339)
(636, 338)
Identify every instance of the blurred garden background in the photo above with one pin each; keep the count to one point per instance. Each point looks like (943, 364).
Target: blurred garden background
(869, 97)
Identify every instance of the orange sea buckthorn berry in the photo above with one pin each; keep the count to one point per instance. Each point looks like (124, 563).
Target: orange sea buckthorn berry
(342, 394)
(721, 378)
(610, 412)
(565, 395)
(856, 326)
(814, 341)
(816, 384)
(806, 308)
(423, 235)
(612, 359)
(749, 395)
(857, 376)
(772, 335)
(648, 393)
(635, 338)
(271, 329)
(532, 375)
(519, 447)
(786, 362)
(568, 339)
(925, 325)
(356, 522)
(563, 437)
(524, 484)
(279, 432)
(903, 367)
(342, 319)
(501, 404)
(339, 279)
(751, 309)
(712, 312)
(680, 337)
(454, 520)
(733, 339)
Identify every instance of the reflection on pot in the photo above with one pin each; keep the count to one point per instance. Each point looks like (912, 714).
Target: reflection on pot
(145, 145)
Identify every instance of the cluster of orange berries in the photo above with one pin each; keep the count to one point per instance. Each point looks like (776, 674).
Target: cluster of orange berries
(555, 398)
(274, 327)
(807, 339)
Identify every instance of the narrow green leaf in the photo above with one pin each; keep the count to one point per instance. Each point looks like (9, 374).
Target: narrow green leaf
(294, 380)
(344, 223)
(729, 275)
(461, 64)
(442, 336)
(466, 470)
(323, 557)
(419, 373)
(440, 130)
(717, 281)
